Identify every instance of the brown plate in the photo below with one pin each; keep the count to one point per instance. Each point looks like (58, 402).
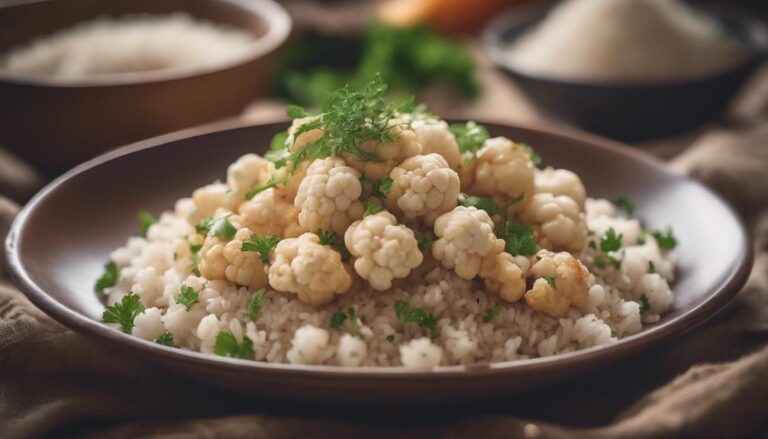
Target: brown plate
(61, 239)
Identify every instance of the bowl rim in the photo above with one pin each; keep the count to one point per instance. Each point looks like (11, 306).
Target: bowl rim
(271, 13)
(529, 15)
(592, 356)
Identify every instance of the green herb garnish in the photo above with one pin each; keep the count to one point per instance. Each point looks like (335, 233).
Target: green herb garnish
(124, 313)
(518, 238)
(204, 226)
(145, 221)
(108, 278)
(470, 137)
(262, 246)
(406, 314)
(645, 304)
(332, 240)
(339, 317)
(424, 241)
(227, 346)
(491, 313)
(534, 156)
(254, 305)
(272, 182)
(482, 203)
(188, 296)
(665, 238)
(651, 267)
(222, 228)
(165, 339)
(624, 204)
(610, 242)
(372, 207)
(551, 280)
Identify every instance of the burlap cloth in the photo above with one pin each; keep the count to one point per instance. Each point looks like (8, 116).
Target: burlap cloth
(710, 382)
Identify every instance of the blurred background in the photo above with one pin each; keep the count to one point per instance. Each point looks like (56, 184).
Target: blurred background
(80, 77)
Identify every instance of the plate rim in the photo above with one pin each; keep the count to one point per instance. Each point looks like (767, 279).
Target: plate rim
(711, 306)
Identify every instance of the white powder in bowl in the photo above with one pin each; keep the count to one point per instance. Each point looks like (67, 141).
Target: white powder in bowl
(626, 40)
(130, 43)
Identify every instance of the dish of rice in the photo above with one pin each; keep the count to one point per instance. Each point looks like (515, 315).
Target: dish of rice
(375, 235)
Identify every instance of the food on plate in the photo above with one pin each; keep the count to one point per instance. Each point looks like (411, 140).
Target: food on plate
(351, 243)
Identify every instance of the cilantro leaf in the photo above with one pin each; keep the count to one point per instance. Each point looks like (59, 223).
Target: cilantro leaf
(195, 249)
(188, 296)
(338, 318)
(204, 226)
(610, 242)
(278, 141)
(645, 304)
(482, 203)
(491, 314)
(108, 279)
(384, 187)
(406, 314)
(332, 240)
(227, 346)
(124, 312)
(145, 221)
(295, 112)
(165, 339)
(424, 241)
(263, 246)
(518, 238)
(551, 280)
(624, 204)
(651, 267)
(470, 137)
(535, 157)
(665, 238)
(254, 305)
(272, 182)
(222, 228)
(372, 207)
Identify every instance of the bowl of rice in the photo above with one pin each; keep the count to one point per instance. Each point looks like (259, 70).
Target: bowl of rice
(628, 69)
(83, 76)
(371, 251)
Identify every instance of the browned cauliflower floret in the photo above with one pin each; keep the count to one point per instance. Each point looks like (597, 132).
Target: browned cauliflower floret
(504, 171)
(222, 257)
(328, 197)
(289, 180)
(436, 137)
(465, 238)
(423, 186)
(562, 281)
(305, 267)
(503, 275)
(269, 214)
(245, 173)
(383, 250)
(561, 182)
(405, 145)
(558, 222)
(209, 198)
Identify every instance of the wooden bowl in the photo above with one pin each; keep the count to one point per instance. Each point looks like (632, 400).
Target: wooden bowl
(59, 242)
(56, 123)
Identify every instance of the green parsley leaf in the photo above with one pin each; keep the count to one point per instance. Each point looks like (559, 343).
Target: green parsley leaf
(222, 228)
(470, 137)
(372, 207)
(491, 313)
(108, 279)
(624, 204)
(145, 221)
(332, 240)
(601, 260)
(295, 112)
(424, 241)
(188, 296)
(278, 142)
(377, 189)
(665, 238)
(263, 246)
(482, 203)
(518, 239)
(204, 226)
(124, 313)
(338, 318)
(651, 267)
(227, 346)
(384, 187)
(535, 157)
(419, 316)
(272, 182)
(551, 280)
(390, 338)
(254, 305)
(195, 249)
(165, 339)
(641, 239)
(645, 304)
(610, 242)
(354, 325)
(593, 245)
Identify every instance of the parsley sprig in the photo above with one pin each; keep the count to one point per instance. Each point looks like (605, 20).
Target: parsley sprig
(124, 312)
(220, 228)
(108, 278)
(262, 245)
(188, 296)
(482, 203)
(254, 305)
(165, 339)
(145, 221)
(332, 240)
(349, 317)
(407, 314)
(665, 238)
(491, 313)
(272, 182)
(470, 137)
(625, 204)
(228, 346)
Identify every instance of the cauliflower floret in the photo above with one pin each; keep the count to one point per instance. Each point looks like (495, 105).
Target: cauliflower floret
(503, 276)
(269, 214)
(406, 144)
(657, 292)
(222, 259)
(328, 197)
(289, 188)
(562, 281)
(383, 250)
(308, 346)
(148, 325)
(465, 238)
(213, 264)
(561, 182)
(504, 171)
(305, 267)
(351, 350)
(558, 222)
(420, 353)
(248, 171)
(208, 199)
(423, 186)
(306, 137)
(436, 137)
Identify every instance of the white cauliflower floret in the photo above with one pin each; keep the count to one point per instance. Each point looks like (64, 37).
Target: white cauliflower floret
(562, 281)
(225, 259)
(296, 143)
(436, 137)
(465, 238)
(328, 197)
(351, 350)
(268, 214)
(406, 144)
(245, 173)
(558, 222)
(290, 181)
(657, 292)
(503, 276)
(561, 182)
(423, 186)
(420, 353)
(308, 346)
(208, 199)
(148, 325)
(504, 171)
(383, 250)
(305, 267)
(647, 258)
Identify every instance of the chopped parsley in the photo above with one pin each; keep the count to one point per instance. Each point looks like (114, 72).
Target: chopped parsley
(165, 339)
(534, 156)
(373, 206)
(195, 249)
(295, 112)
(278, 141)
(188, 296)
(624, 204)
(518, 238)
(552, 281)
(470, 137)
(384, 187)
(665, 238)
(272, 182)
(254, 305)
(108, 278)
(332, 240)
(124, 313)
(227, 346)
(424, 241)
(651, 267)
(419, 316)
(601, 260)
(491, 314)
(204, 226)
(378, 189)
(339, 317)
(645, 304)
(222, 228)
(145, 221)
(390, 338)
(482, 203)
(262, 246)
(610, 242)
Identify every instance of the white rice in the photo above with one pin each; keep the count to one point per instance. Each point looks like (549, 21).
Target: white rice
(287, 330)
(130, 43)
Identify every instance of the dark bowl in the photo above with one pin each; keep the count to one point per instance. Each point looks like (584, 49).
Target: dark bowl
(56, 123)
(629, 111)
(60, 240)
